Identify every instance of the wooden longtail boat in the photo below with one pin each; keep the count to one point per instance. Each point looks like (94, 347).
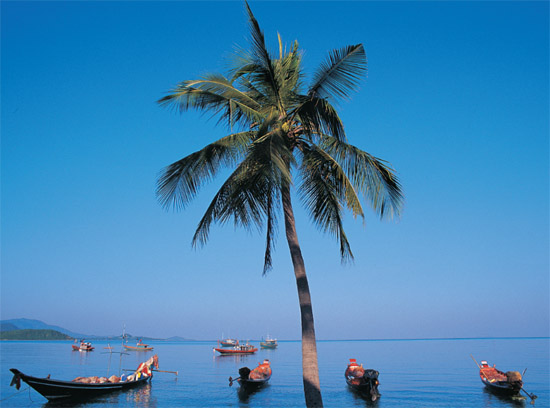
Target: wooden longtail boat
(139, 347)
(244, 349)
(507, 384)
(364, 382)
(55, 390)
(498, 382)
(252, 380)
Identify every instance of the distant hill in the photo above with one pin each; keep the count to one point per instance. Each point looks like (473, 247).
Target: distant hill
(7, 327)
(177, 338)
(31, 324)
(31, 334)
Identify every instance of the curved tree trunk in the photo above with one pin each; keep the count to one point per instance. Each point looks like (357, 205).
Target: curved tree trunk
(310, 369)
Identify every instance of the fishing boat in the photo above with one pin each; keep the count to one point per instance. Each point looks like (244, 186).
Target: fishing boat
(363, 381)
(140, 346)
(269, 343)
(503, 383)
(238, 349)
(508, 384)
(229, 342)
(84, 346)
(84, 388)
(252, 380)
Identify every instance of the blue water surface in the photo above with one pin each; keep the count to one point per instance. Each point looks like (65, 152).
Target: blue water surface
(413, 373)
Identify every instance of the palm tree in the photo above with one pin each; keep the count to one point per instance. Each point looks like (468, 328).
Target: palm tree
(288, 138)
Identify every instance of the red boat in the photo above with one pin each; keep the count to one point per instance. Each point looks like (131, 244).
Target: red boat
(229, 342)
(509, 383)
(84, 346)
(140, 346)
(252, 380)
(363, 381)
(244, 349)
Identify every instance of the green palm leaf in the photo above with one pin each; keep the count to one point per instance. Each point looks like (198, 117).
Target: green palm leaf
(340, 73)
(179, 182)
(373, 177)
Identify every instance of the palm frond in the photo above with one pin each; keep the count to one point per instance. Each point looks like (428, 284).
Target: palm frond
(323, 190)
(264, 73)
(234, 200)
(321, 164)
(216, 94)
(373, 177)
(271, 230)
(179, 182)
(340, 73)
(318, 116)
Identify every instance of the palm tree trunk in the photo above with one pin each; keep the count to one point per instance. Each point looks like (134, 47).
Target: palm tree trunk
(310, 368)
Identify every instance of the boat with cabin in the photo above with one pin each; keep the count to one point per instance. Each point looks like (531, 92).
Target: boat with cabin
(83, 346)
(237, 349)
(228, 342)
(269, 343)
(140, 346)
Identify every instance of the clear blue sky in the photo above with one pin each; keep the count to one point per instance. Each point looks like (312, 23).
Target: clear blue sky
(457, 99)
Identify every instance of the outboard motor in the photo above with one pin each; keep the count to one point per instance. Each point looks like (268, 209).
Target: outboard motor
(371, 376)
(244, 372)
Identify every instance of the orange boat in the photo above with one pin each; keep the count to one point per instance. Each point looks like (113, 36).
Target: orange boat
(509, 383)
(364, 382)
(251, 380)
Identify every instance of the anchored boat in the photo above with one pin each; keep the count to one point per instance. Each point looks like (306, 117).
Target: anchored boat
(84, 388)
(508, 383)
(84, 346)
(269, 343)
(139, 347)
(238, 349)
(363, 381)
(252, 380)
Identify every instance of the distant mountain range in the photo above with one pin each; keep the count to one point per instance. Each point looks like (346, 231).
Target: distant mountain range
(31, 324)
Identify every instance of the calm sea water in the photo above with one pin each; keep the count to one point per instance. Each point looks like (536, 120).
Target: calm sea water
(413, 373)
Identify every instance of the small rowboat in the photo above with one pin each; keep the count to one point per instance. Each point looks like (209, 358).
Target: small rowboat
(244, 349)
(364, 382)
(56, 390)
(252, 380)
(498, 382)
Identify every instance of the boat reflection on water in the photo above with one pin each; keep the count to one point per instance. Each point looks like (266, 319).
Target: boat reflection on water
(141, 397)
(137, 397)
(245, 394)
(235, 358)
(491, 399)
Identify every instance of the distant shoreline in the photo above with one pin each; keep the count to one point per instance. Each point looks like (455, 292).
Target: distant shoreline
(318, 341)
